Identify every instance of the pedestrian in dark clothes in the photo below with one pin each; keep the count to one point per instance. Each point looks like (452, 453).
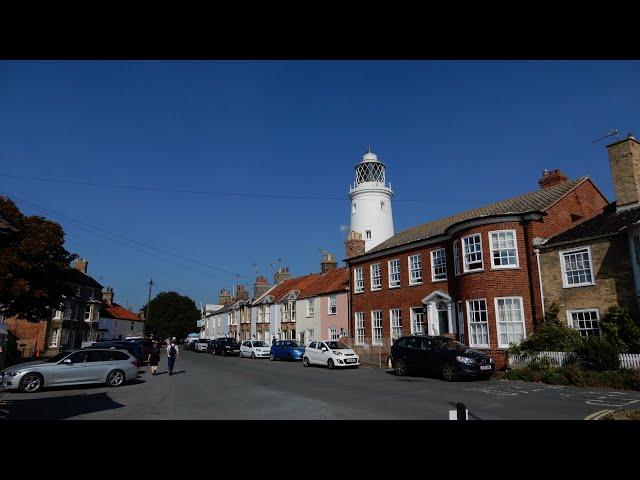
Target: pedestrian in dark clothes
(154, 357)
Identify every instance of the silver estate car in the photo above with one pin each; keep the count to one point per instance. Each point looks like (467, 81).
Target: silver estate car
(73, 367)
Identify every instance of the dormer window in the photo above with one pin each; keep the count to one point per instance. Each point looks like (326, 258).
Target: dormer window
(368, 234)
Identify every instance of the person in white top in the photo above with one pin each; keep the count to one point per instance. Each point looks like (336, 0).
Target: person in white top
(172, 353)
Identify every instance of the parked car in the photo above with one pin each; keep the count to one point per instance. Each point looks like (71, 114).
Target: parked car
(190, 343)
(255, 349)
(201, 345)
(332, 353)
(225, 346)
(442, 356)
(287, 350)
(146, 344)
(131, 347)
(73, 367)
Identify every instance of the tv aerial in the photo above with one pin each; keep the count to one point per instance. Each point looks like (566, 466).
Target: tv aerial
(612, 133)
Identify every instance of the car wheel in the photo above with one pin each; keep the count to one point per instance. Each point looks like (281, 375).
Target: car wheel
(115, 378)
(330, 364)
(305, 362)
(449, 372)
(31, 383)
(400, 367)
(271, 357)
(253, 355)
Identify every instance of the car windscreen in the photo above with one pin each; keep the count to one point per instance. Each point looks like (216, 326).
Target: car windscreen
(337, 345)
(450, 344)
(259, 344)
(292, 344)
(57, 358)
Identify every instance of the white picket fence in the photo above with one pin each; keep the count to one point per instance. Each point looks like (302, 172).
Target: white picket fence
(627, 360)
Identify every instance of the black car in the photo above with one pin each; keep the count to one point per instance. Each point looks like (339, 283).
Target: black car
(131, 347)
(442, 356)
(146, 344)
(224, 346)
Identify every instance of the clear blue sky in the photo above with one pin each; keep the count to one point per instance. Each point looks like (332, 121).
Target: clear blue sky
(461, 133)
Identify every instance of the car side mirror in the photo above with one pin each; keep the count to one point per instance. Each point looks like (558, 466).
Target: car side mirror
(325, 349)
(67, 361)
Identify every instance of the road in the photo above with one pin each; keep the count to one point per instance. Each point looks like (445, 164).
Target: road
(210, 387)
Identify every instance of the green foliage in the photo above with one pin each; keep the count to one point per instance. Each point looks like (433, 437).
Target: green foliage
(552, 336)
(34, 265)
(598, 354)
(171, 315)
(618, 326)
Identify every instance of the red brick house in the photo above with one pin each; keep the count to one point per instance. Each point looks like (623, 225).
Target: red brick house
(473, 275)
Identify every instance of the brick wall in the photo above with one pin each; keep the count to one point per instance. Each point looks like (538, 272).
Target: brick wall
(31, 336)
(612, 269)
(624, 160)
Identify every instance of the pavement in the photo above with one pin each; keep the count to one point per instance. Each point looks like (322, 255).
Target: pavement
(213, 387)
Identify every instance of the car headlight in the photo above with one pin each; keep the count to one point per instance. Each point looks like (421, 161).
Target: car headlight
(13, 374)
(337, 353)
(466, 360)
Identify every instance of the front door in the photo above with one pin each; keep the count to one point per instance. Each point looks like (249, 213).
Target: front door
(73, 372)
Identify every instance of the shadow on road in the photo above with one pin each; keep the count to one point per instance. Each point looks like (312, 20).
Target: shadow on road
(59, 408)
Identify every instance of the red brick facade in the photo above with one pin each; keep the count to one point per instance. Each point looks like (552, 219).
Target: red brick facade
(490, 283)
(30, 336)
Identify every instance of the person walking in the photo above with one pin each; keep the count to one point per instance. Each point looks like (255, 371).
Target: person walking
(172, 354)
(154, 357)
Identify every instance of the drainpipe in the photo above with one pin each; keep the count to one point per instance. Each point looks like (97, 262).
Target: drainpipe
(537, 250)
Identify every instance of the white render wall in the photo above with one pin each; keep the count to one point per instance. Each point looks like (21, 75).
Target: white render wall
(368, 215)
(309, 325)
(117, 327)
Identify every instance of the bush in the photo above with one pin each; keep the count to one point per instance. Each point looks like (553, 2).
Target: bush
(598, 354)
(618, 326)
(571, 375)
(552, 336)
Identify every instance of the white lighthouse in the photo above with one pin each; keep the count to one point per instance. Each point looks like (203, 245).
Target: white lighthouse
(370, 197)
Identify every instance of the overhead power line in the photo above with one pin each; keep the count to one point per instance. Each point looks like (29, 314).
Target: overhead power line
(103, 231)
(227, 194)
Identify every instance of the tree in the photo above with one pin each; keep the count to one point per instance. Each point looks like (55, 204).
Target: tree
(620, 329)
(34, 265)
(171, 315)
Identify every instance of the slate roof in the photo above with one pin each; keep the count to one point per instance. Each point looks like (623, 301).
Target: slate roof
(76, 276)
(609, 222)
(538, 201)
(119, 312)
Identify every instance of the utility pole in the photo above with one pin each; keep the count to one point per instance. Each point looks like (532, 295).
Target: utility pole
(146, 315)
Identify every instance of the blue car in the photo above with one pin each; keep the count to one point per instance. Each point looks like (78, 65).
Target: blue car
(287, 350)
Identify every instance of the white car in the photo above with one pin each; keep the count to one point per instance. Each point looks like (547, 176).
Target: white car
(332, 353)
(255, 349)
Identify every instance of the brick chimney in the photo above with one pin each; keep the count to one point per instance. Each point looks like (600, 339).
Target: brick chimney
(107, 296)
(225, 297)
(328, 262)
(354, 245)
(260, 286)
(241, 293)
(551, 178)
(281, 275)
(624, 161)
(81, 264)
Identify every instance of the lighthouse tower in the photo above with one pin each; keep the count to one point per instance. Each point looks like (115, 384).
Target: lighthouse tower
(370, 197)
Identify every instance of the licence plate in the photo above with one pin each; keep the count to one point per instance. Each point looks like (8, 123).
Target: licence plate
(236, 351)
(485, 367)
(351, 360)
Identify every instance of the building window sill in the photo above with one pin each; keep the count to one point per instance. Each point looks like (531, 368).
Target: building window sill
(395, 286)
(438, 281)
(415, 284)
(510, 267)
(579, 285)
(474, 271)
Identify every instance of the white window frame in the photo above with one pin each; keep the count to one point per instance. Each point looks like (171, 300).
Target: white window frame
(491, 250)
(395, 314)
(358, 280)
(573, 251)
(469, 323)
(333, 304)
(375, 339)
(583, 310)
(414, 323)
(391, 273)
(333, 333)
(360, 328)
(55, 337)
(433, 266)
(456, 257)
(415, 270)
(498, 321)
(310, 308)
(379, 277)
(465, 264)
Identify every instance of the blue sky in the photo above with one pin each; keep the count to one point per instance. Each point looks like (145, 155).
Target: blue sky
(453, 134)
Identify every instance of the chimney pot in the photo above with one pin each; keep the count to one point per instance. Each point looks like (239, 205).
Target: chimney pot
(551, 178)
